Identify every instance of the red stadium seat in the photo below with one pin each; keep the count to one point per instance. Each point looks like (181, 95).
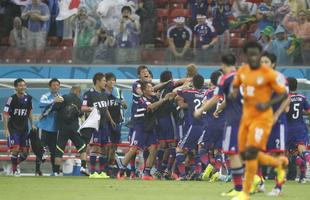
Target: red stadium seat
(161, 3)
(11, 55)
(52, 56)
(66, 43)
(53, 41)
(179, 13)
(32, 56)
(160, 27)
(66, 55)
(161, 13)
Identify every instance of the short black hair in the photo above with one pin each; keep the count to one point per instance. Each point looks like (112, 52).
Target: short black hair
(53, 80)
(109, 76)
(215, 77)
(97, 77)
(272, 57)
(198, 81)
(19, 80)
(165, 76)
(140, 68)
(144, 85)
(151, 73)
(292, 84)
(229, 59)
(126, 8)
(252, 44)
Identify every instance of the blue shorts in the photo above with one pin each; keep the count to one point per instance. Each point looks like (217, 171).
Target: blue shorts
(166, 129)
(212, 138)
(115, 133)
(191, 139)
(277, 138)
(297, 135)
(142, 139)
(101, 137)
(18, 140)
(230, 138)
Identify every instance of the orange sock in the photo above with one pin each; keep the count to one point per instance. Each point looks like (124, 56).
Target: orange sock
(265, 159)
(250, 171)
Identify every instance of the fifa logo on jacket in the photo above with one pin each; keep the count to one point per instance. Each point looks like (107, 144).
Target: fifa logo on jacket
(20, 112)
(101, 104)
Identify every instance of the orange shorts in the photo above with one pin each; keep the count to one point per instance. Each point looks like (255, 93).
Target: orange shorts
(254, 133)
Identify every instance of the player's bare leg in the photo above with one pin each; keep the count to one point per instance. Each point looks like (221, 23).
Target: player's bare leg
(128, 156)
(14, 160)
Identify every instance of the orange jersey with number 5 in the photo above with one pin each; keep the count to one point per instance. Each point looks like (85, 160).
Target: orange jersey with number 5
(257, 87)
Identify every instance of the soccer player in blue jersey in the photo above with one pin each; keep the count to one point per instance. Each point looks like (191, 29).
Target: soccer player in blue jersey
(98, 140)
(144, 76)
(233, 111)
(144, 136)
(297, 129)
(193, 97)
(212, 138)
(16, 116)
(116, 105)
(277, 139)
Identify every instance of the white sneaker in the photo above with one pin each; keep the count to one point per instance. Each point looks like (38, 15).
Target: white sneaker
(261, 188)
(16, 174)
(84, 171)
(302, 181)
(275, 192)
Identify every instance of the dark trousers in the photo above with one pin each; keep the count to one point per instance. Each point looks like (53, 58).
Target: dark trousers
(48, 140)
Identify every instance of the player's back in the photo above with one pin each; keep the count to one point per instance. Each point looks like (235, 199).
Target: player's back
(194, 99)
(212, 121)
(258, 86)
(233, 108)
(298, 105)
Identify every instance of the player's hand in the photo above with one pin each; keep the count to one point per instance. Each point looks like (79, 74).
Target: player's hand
(58, 99)
(216, 114)
(124, 105)
(34, 127)
(198, 113)
(6, 133)
(262, 106)
(113, 124)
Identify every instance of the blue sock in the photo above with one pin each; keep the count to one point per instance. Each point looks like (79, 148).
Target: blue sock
(14, 162)
(180, 162)
(103, 159)
(147, 171)
(160, 156)
(92, 162)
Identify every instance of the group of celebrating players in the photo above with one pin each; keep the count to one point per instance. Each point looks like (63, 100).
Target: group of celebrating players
(243, 119)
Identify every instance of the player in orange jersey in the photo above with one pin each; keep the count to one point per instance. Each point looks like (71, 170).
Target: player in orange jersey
(258, 82)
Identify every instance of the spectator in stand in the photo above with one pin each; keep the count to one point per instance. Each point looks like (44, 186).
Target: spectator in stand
(201, 7)
(280, 45)
(19, 34)
(128, 37)
(266, 37)
(205, 39)
(146, 11)
(37, 14)
(8, 11)
(83, 27)
(102, 43)
(301, 30)
(243, 8)
(264, 16)
(300, 26)
(179, 39)
(221, 13)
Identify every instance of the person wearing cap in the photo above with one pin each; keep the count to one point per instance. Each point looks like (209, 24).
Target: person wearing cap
(280, 45)
(37, 14)
(179, 38)
(19, 34)
(102, 43)
(205, 39)
(266, 37)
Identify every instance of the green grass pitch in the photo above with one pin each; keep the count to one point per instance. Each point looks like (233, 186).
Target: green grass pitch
(76, 188)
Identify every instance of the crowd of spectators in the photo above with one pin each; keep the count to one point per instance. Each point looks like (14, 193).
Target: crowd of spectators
(104, 31)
